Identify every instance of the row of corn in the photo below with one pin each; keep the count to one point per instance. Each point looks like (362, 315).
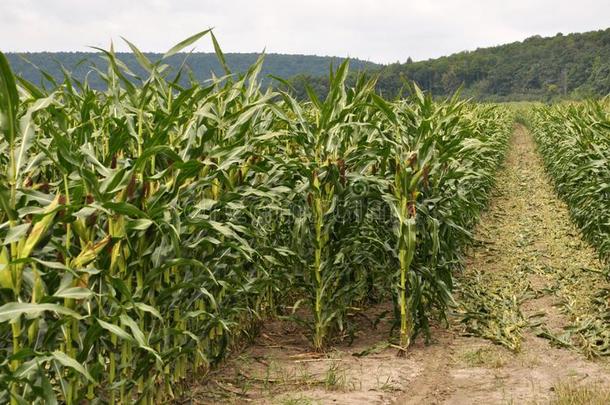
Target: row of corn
(146, 227)
(574, 140)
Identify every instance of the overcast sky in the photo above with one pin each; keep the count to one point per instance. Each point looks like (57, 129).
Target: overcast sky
(377, 30)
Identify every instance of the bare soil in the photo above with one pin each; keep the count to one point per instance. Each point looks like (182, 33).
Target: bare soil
(525, 227)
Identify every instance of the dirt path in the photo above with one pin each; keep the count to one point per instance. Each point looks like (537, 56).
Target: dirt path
(529, 272)
(529, 251)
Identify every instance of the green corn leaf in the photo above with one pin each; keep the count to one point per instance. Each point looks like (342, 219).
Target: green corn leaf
(9, 100)
(78, 293)
(140, 57)
(68, 361)
(125, 209)
(13, 310)
(219, 54)
(16, 233)
(183, 44)
(115, 330)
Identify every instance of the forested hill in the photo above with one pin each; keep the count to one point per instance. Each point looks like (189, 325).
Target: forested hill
(570, 66)
(200, 64)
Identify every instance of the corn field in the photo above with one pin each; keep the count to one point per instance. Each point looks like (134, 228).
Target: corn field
(148, 227)
(574, 141)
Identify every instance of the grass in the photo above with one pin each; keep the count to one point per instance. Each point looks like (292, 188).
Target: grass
(571, 393)
(387, 384)
(487, 356)
(336, 378)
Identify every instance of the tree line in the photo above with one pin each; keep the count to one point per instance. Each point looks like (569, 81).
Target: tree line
(563, 66)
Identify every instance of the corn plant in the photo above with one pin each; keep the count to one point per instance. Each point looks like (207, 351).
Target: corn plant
(324, 155)
(147, 227)
(128, 239)
(574, 140)
(438, 161)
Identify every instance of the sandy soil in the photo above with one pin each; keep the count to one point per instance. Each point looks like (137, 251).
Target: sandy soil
(525, 241)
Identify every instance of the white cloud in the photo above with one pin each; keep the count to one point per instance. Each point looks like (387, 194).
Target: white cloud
(379, 30)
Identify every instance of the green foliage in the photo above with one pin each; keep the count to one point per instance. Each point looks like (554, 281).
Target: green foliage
(574, 140)
(543, 69)
(535, 69)
(563, 66)
(147, 226)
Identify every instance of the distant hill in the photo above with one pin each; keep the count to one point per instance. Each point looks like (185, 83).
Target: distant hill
(200, 64)
(563, 66)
